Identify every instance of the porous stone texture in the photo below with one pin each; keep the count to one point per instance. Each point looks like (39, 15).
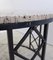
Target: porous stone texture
(16, 19)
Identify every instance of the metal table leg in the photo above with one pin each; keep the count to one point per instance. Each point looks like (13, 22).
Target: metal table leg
(10, 44)
(45, 37)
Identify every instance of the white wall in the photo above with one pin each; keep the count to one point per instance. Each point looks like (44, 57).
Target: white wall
(50, 34)
(26, 6)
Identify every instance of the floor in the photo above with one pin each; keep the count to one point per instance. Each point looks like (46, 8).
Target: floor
(4, 55)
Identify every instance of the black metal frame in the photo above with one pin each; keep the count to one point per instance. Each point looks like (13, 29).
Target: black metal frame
(13, 51)
(10, 44)
(33, 27)
(45, 37)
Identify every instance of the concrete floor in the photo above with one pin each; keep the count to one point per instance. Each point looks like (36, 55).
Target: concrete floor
(4, 55)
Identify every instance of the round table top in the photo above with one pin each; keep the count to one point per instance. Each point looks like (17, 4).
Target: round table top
(14, 22)
(26, 18)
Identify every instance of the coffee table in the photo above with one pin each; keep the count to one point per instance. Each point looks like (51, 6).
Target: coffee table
(17, 22)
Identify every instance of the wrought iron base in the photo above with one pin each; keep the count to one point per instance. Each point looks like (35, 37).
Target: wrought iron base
(40, 41)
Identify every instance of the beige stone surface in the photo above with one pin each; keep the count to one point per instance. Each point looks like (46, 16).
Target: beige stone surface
(16, 19)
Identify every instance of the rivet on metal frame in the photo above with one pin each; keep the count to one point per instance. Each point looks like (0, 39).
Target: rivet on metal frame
(29, 23)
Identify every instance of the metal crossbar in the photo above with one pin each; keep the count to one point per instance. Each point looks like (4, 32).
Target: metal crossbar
(23, 39)
(34, 50)
(36, 53)
(16, 53)
(39, 34)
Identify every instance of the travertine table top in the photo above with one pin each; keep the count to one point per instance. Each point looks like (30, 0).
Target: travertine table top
(26, 18)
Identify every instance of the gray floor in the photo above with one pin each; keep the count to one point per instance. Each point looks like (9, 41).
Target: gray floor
(4, 55)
